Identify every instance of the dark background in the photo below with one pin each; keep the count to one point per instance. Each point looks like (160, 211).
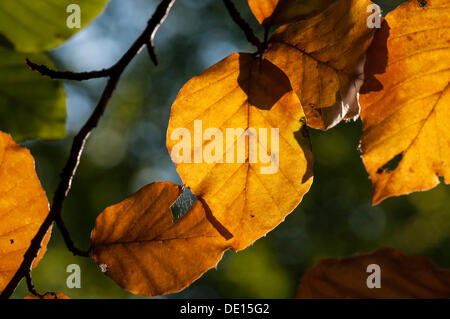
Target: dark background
(127, 151)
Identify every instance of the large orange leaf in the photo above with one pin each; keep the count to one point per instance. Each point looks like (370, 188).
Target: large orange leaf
(401, 276)
(244, 195)
(406, 101)
(23, 207)
(139, 246)
(273, 12)
(324, 57)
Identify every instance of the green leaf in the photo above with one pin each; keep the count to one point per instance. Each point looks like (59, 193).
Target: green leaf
(40, 25)
(31, 106)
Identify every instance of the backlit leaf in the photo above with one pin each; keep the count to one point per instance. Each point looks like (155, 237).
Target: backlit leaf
(36, 26)
(324, 57)
(273, 12)
(400, 276)
(31, 106)
(406, 101)
(247, 196)
(138, 245)
(23, 207)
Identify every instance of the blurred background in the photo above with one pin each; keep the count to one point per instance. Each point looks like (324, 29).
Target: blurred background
(127, 151)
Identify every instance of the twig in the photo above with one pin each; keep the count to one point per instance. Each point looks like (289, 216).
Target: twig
(151, 53)
(68, 239)
(149, 32)
(79, 141)
(236, 16)
(67, 75)
(30, 285)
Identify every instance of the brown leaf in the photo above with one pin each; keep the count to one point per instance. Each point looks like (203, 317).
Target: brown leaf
(139, 246)
(245, 195)
(23, 207)
(401, 276)
(48, 295)
(406, 101)
(273, 12)
(324, 58)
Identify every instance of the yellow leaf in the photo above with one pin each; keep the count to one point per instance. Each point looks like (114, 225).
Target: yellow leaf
(48, 295)
(23, 207)
(406, 101)
(273, 12)
(324, 58)
(251, 193)
(398, 276)
(139, 246)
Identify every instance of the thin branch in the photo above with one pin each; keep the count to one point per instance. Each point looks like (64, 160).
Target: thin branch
(79, 141)
(68, 239)
(151, 53)
(30, 285)
(150, 32)
(67, 75)
(236, 16)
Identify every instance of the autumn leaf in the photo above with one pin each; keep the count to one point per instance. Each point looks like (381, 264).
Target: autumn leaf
(273, 12)
(139, 246)
(324, 57)
(48, 295)
(23, 207)
(400, 276)
(242, 96)
(406, 101)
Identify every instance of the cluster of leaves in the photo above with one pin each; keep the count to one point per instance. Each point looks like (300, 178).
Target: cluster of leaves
(321, 66)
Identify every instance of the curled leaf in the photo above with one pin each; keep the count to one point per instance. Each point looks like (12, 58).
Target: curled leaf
(324, 58)
(249, 156)
(400, 276)
(137, 244)
(23, 207)
(406, 101)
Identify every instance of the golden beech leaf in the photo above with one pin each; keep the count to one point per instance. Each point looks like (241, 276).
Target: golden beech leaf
(324, 58)
(253, 163)
(405, 102)
(139, 246)
(48, 295)
(23, 207)
(398, 276)
(273, 12)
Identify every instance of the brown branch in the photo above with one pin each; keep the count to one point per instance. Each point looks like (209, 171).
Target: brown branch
(236, 16)
(79, 141)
